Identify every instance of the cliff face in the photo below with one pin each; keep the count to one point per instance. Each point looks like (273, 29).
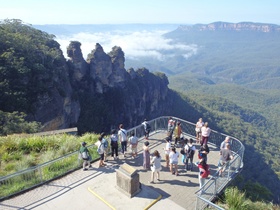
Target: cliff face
(94, 94)
(105, 87)
(56, 108)
(223, 26)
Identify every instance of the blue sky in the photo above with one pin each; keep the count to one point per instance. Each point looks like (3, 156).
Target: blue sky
(141, 11)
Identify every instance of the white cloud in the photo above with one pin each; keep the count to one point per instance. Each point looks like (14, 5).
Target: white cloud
(134, 44)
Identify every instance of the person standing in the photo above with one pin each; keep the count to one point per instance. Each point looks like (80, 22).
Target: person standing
(123, 138)
(170, 128)
(114, 144)
(167, 150)
(100, 151)
(225, 157)
(147, 129)
(133, 141)
(205, 133)
(105, 145)
(198, 127)
(174, 156)
(226, 141)
(84, 153)
(189, 153)
(203, 172)
(146, 156)
(156, 166)
(203, 152)
(177, 132)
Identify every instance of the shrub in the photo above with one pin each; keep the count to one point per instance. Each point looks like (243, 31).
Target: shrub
(235, 199)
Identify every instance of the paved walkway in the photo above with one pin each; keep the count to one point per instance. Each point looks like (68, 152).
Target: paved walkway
(96, 188)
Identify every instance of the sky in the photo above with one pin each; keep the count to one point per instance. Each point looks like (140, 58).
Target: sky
(143, 43)
(36, 12)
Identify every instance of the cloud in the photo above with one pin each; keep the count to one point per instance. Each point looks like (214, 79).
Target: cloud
(135, 45)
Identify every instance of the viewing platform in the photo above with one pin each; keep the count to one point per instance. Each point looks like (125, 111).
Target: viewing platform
(96, 188)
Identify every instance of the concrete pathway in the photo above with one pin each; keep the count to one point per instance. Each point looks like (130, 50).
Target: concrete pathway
(96, 188)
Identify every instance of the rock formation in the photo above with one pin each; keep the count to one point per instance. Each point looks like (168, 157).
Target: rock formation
(242, 26)
(133, 95)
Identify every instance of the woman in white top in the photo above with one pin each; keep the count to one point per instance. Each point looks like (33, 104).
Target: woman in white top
(198, 127)
(205, 133)
(167, 150)
(173, 156)
(156, 166)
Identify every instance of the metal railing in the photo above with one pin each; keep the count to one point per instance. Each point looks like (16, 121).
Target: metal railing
(43, 173)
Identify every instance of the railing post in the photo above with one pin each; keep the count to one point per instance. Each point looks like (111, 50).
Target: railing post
(41, 175)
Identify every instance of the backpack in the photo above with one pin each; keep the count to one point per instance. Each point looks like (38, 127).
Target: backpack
(205, 173)
(148, 127)
(84, 155)
(190, 152)
(99, 150)
(182, 151)
(105, 143)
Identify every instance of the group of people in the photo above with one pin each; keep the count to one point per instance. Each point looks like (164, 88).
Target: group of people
(152, 161)
(203, 132)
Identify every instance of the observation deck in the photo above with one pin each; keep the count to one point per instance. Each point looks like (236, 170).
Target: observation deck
(96, 188)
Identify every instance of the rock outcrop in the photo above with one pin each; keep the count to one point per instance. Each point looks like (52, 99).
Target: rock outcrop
(133, 95)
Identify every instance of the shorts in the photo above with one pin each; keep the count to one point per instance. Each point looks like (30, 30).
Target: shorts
(133, 149)
(222, 163)
(153, 169)
(101, 156)
(197, 130)
(174, 162)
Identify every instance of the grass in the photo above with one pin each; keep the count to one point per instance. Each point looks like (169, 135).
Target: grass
(236, 200)
(22, 152)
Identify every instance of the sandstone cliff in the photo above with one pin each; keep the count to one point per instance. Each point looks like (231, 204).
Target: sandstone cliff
(105, 88)
(224, 26)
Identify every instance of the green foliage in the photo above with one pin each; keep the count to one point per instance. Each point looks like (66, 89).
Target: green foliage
(21, 152)
(236, 200)
(29, 61)
(14, 122)
(257, 192)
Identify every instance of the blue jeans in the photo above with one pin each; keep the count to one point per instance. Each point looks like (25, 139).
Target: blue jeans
(187, 163)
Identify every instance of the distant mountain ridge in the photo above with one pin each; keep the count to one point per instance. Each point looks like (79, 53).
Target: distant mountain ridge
(224, 26)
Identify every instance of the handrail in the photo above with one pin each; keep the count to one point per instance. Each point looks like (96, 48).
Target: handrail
(40, 174)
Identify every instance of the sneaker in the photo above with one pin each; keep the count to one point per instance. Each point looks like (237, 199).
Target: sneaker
(90, 166)
(85, 169)
(151, 182)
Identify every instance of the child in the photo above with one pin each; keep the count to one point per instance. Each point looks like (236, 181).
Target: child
(156, 167)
